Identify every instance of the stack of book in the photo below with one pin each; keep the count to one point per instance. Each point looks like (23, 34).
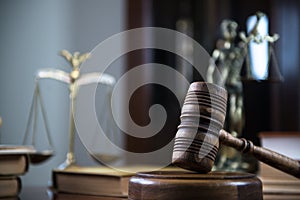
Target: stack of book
(277, 184)
(14, 162)
(95, 183)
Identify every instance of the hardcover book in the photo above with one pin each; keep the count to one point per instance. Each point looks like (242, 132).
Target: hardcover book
(9, 186)
(14, 160)
(101, 181)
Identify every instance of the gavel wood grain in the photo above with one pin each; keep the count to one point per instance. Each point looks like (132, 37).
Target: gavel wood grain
(267, 156)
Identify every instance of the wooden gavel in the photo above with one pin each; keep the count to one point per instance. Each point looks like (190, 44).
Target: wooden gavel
(200, 132)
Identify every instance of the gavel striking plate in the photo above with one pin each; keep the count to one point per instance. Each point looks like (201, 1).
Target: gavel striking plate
(175, 185)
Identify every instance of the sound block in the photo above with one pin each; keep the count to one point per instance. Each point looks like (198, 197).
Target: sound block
(163, 185)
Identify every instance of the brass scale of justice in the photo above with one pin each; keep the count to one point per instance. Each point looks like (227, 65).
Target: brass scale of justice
(74, 80)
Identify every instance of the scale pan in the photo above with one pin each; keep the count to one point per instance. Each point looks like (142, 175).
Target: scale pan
(40, 156)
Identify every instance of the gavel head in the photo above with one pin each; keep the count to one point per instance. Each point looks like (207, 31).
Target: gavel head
(202, 117)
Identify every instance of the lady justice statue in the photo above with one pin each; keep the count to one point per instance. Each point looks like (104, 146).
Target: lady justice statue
(229, 58)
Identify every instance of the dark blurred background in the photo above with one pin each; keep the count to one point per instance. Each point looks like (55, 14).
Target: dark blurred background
(269, 106)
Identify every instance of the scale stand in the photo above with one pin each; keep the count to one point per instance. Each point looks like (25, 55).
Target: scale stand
(74, 80)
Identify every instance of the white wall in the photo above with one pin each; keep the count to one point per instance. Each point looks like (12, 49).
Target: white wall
(32, 34)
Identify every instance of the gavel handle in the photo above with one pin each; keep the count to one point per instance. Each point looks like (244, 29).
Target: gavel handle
(267, 156)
